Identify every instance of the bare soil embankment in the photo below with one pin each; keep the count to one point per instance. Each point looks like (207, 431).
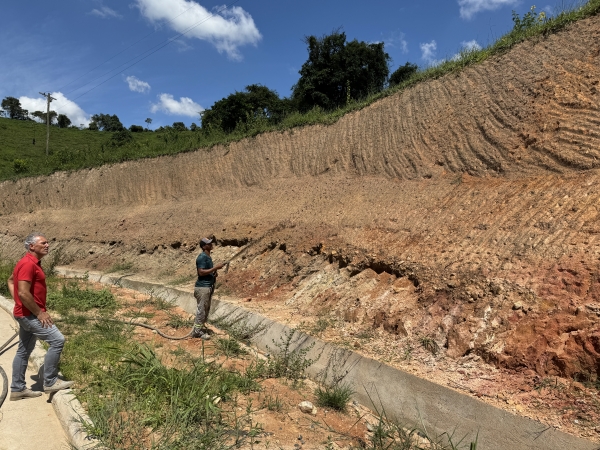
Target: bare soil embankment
(459, 216)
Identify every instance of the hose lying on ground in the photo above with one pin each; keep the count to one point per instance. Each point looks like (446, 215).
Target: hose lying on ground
(138, 324)
(3, 373)
(4, 386)
(127, 322)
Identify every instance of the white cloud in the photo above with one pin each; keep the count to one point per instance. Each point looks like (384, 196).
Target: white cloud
(470, 45)
(466, 47)
(182, 46)
(184, 107)
(397, 40)
(62, 105)
(106, 13)
(428, 52)
(227, 29)
(137, 85)
(468, 8)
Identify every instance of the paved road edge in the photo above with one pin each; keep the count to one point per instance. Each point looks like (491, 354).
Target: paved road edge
(68, 409)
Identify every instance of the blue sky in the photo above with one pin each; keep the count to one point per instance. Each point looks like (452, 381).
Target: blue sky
(88, 53)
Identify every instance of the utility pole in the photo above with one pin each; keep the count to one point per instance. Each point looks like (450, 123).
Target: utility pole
(49, 98)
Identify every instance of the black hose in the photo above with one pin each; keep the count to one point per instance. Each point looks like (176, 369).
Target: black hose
(131, 322)
(3, 373)
(8, 342)
(151, 328)
(4, 386)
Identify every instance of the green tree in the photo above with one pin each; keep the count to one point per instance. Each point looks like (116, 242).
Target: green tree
(136, 128)
(13, 106)
(42, 116)
(193, 127)
(179, 126)
(337, 71)
(256, 102)
(63, 121)
(148, 121)
(106, 122)
(403, 73)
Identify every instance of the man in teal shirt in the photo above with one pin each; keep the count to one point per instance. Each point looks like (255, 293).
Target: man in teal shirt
(204, 287)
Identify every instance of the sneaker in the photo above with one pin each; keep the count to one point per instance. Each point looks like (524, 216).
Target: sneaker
(58, 386)
(201, 335)
(25, 393)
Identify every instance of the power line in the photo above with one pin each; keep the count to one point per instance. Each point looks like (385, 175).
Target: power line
(156, 49)
(122, 51)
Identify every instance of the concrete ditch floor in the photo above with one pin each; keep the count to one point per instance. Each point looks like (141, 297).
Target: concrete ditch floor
(28, 424)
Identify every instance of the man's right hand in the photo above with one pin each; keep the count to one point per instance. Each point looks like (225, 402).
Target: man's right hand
(219, 266)
(45, 319)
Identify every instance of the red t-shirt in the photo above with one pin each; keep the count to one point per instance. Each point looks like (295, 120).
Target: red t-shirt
(29, 268)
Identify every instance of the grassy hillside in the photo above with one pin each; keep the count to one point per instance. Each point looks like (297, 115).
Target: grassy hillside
(72, 149)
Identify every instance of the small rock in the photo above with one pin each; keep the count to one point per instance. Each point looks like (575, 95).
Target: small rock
(577, 386)
(370, 428)
(299, 437)
(517, 306)
(307, 408)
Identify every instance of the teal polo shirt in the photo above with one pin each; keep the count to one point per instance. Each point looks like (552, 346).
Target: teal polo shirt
(203, 261)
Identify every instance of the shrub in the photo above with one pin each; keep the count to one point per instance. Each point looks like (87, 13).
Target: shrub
(20, 165)
(121, 138)
(6, 269)
(289, 360)
(334, 396)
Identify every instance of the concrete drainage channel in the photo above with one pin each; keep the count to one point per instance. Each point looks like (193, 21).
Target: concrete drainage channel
(403, 396)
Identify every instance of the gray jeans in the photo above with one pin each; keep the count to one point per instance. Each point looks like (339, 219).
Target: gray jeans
(203, 297)
(31, 329)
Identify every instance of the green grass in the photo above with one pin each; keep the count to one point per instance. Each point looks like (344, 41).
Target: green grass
(136, 402)
(177, 322)
(123, 266)
(72, 297)
(336, 396)
(6, 269)
(230, 347)
(72, 149)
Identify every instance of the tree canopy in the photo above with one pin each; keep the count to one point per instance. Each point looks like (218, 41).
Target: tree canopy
(42, 116)
(106, 122)
(403, 73)
(337, 71)
(13, 106)
(179, 126)
(63, 121)
(256, 102)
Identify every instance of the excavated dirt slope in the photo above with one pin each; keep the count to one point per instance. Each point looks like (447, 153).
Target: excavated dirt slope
(460, 216)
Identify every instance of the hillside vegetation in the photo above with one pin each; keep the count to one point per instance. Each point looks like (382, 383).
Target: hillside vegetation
(72, 149)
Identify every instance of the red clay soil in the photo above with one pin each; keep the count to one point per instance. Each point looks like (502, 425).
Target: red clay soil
(460, 215)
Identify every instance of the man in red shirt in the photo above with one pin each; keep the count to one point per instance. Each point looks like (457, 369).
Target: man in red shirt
(27, 285)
